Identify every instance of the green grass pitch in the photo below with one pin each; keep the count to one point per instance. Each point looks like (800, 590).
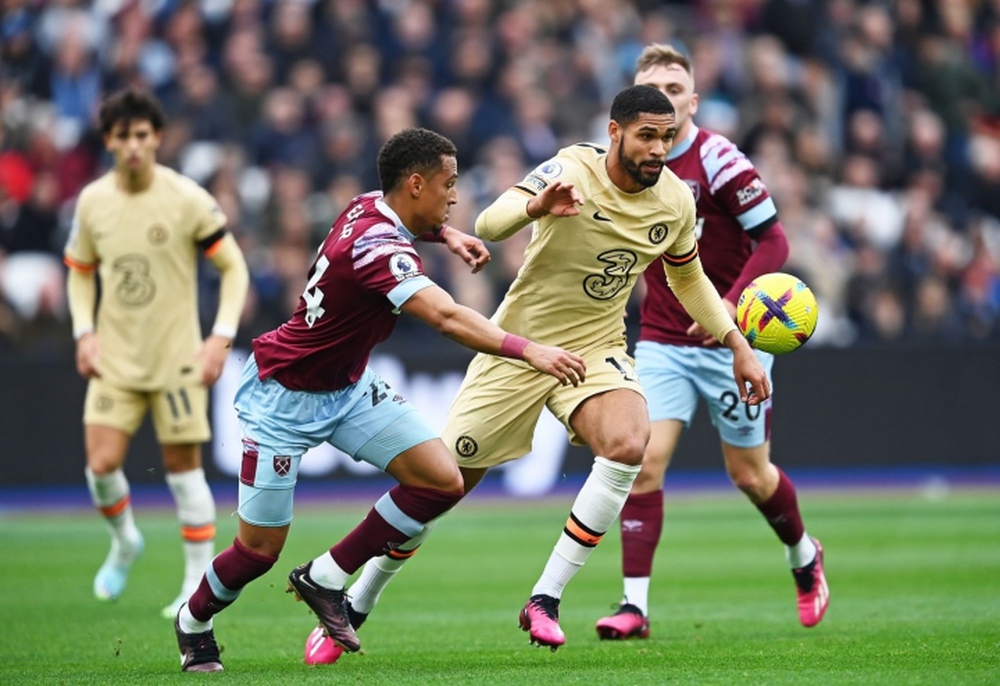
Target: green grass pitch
(915, 586)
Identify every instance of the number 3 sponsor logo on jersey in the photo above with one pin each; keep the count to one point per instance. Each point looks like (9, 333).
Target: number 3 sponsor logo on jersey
(614, 277)
(135, 286)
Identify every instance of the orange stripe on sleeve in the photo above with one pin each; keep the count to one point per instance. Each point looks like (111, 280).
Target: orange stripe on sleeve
(79, 266)
(214, 248)
(198, 534)
(679, 260)
(115, 509)
(581, 535)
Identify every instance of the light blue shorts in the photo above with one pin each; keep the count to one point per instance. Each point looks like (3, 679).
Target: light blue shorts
(674, 376)
(368, 421)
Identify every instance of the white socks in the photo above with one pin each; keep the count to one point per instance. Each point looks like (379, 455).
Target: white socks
(196, 513)
(596, 508)
(327, 573)
(378, 572)
(190, 625)
(802, 553)
(637, 593)
(110, 494)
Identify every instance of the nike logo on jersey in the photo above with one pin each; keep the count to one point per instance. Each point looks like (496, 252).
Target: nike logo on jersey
(600, 217)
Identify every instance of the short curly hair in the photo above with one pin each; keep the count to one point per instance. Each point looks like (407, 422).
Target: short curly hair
(412, 151)
(636, 100)
(131, 105)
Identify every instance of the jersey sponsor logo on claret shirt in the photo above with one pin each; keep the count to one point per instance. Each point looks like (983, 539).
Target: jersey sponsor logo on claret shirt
(751, 192)
(403, 267)
(695, 188)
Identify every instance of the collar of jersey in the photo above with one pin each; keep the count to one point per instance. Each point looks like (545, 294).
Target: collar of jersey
(386, 210)
(685, 145)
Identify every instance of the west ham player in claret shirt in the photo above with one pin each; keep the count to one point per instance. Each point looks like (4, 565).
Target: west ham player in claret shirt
(739, 238)
(308, 382)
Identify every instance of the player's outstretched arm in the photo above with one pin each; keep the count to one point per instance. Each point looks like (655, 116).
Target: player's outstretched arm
(696, 293)
(559, 199)
(514, 209)
(434, 306)
(696, 330)
(471, 249)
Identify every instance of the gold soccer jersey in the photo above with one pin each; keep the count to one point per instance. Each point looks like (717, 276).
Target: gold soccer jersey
(578, 271)
(144, 246)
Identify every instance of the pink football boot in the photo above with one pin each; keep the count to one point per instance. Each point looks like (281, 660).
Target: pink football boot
(321, 649)
(540, 617)
(814, 594)
(628, 622)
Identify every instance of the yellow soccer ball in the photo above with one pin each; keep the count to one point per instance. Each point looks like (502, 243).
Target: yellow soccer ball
(777, 313)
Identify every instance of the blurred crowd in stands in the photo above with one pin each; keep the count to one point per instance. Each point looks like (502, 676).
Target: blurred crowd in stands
(875, 125)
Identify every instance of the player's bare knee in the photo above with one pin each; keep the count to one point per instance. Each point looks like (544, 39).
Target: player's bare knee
(627, 450)
(179, 458)
(102, 463)
(453, 486)
(749, 483)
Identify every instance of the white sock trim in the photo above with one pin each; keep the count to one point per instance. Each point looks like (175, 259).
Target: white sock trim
(190, 625)
(107, 489)
(636, 592)
(802, 553)
(327, 573)
(192, 496)
(596, 507)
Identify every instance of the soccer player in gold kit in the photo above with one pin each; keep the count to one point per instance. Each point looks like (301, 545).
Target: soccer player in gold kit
(138, 230)
(740, 238)
(601, 215)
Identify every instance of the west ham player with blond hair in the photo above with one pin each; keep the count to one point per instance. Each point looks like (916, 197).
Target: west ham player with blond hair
(140, 227)
(601, 215)
(739, 238)
(308, 382)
